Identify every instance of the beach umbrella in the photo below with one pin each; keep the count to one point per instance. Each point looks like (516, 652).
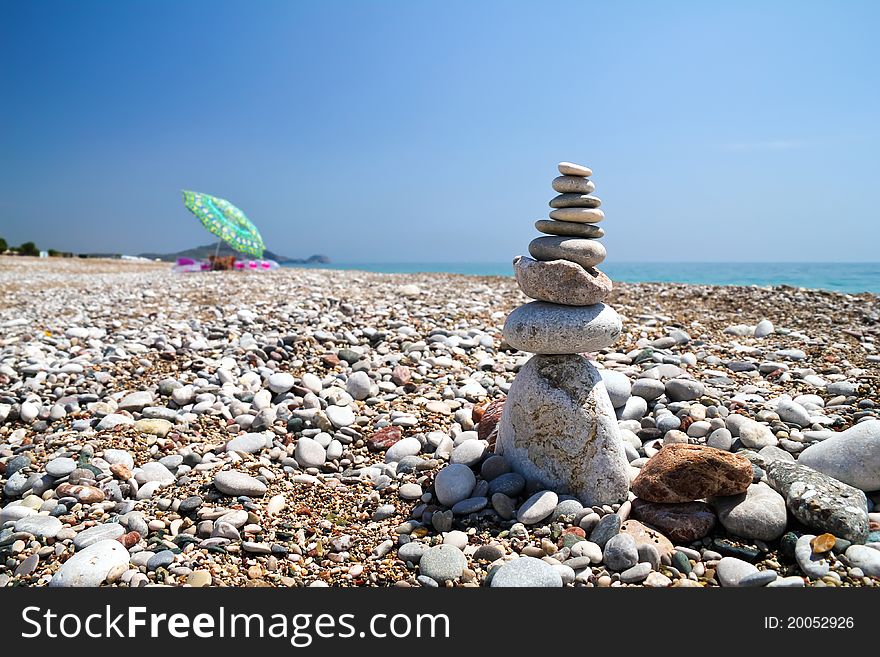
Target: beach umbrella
(226, 222)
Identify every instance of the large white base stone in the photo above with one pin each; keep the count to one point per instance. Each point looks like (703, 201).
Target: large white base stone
(558, 427)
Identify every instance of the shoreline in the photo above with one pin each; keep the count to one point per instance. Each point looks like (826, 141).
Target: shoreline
(848, 277)
(109, 265)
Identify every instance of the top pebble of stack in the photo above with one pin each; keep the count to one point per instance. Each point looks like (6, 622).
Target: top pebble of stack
(572, 169)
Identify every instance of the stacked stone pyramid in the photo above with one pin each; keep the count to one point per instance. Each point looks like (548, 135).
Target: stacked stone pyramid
(558, 427)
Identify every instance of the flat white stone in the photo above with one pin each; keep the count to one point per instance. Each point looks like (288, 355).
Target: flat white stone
(579, 215)
(309, 453)
(90, 566)
(548, 328)
(249, 443)
(572, 169)
(281, 382)
(340, 416)
(39, 525)
(851, 456)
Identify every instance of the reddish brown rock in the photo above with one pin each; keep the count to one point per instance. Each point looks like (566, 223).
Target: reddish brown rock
(401, 375)
(487, 428)
(130, 539)
(684, 473)
(644, 535)
(683, 522)
(823, 543)
(384, 438)
(121, 471)
(330, 360)
(84, 494)
(571, 531)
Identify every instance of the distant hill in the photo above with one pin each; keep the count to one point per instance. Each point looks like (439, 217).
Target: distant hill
(202, 252)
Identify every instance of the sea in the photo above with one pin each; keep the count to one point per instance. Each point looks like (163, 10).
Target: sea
(850, 277)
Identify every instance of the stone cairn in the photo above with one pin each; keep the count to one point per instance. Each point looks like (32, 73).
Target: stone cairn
(558, 426)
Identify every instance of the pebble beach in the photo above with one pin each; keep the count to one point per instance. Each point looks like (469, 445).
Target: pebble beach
(307, 427)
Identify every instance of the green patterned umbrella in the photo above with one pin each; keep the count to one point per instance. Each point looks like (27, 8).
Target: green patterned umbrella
(226, 221)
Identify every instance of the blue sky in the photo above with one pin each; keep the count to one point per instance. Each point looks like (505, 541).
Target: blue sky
(430, 131)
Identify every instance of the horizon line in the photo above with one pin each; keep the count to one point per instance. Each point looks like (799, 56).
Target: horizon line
(622, 262)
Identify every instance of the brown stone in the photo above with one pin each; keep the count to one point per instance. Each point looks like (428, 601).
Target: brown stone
(121, 471)
(683, 522)
(823, 543)
(82, 476)
(487, 426)
(84, 494)
(130, 539)
(401, 375)
(684, 473)
(384, 438)
(561, 281)
(645, 535)
(330, 360)
(570, 531)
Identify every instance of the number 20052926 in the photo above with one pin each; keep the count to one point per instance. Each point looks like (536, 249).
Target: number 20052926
(808, 622)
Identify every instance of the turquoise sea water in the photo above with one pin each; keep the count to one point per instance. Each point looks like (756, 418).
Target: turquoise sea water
(843, 277)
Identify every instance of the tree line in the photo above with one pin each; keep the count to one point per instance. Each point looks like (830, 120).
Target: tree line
(29, 249)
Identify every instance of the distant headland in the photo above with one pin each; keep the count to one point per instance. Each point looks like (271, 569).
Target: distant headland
(202, 252)
(196, 253)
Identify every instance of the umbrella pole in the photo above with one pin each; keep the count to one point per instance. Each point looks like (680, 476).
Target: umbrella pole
(216, 253)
